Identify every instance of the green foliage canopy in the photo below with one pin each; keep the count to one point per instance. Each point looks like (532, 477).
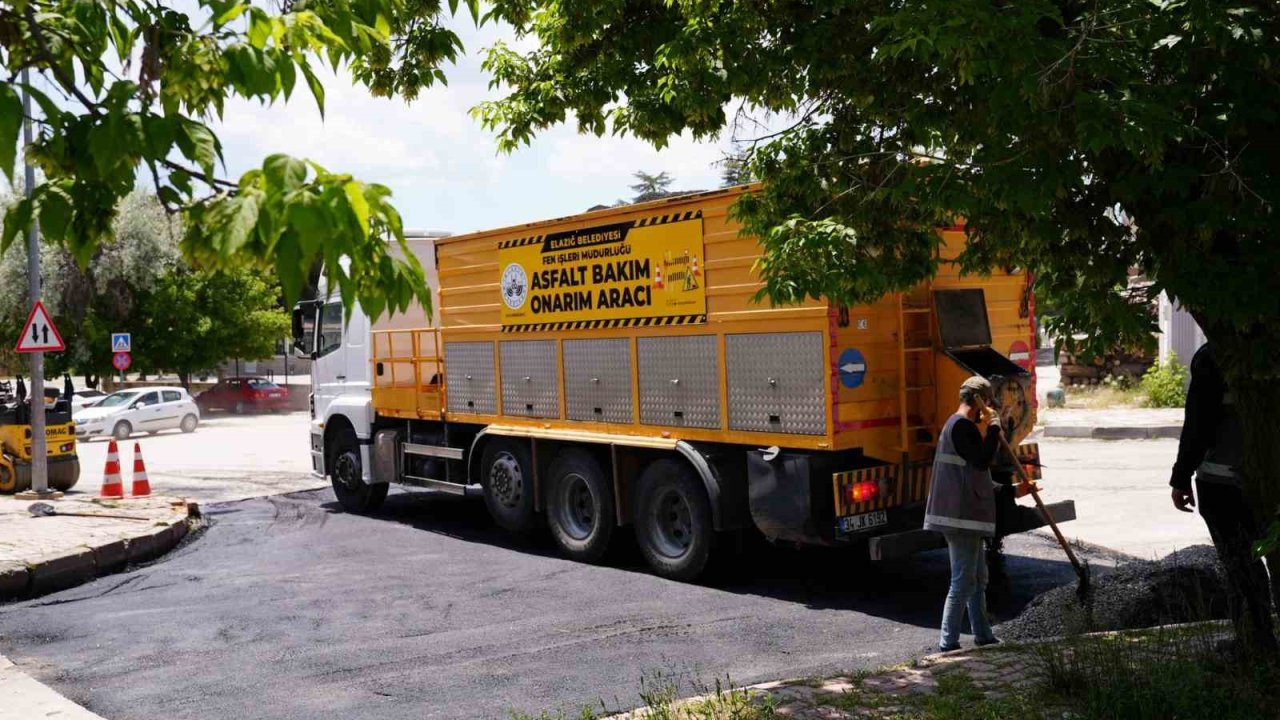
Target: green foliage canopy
(1079, 139)
(136, 84)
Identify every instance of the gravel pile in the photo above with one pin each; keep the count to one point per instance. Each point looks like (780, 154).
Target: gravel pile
(1184, 586)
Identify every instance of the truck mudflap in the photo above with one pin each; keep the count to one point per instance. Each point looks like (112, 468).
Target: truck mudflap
(902, 544)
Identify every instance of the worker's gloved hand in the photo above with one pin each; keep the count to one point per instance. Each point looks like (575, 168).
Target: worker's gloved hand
(1184, 500)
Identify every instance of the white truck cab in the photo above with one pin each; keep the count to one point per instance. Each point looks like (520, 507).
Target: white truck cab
(339, 348)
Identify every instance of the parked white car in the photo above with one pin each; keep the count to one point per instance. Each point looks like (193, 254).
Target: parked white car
(84, 398)
(149, 409)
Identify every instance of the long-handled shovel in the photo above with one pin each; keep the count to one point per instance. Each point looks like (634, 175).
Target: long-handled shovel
(1082, 570)
(46, 510)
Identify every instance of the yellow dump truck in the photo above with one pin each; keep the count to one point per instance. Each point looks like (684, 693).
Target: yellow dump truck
(610, 370)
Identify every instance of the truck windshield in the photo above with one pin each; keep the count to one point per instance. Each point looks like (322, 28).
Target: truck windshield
(117, 399)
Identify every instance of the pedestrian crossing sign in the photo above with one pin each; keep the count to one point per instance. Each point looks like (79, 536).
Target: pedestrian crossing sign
(121, 342)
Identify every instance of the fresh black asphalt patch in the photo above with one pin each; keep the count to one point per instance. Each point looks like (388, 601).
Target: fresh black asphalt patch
(288, 608)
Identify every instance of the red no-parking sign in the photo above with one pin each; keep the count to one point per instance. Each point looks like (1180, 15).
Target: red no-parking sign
(121, 361)
(1021, 354)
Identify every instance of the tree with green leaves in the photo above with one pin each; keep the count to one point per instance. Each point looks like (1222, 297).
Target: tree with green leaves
(91, 301)
(650, 187)
(182, 319)
(193, 320)
(734, 170)
(1076, 139)
(134, 85)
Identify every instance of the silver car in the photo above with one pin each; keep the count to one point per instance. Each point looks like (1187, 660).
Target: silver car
(148, 409)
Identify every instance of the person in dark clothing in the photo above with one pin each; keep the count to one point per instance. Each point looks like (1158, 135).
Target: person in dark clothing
(962, 507)
(1212, 448)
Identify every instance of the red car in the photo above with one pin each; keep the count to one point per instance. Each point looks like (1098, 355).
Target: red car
(244, 394)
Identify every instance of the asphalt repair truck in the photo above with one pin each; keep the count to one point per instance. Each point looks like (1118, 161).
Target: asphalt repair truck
(611, 369)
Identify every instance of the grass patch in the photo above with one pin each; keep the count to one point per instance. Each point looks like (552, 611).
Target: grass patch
(957, 698)
(1159, 674)
(1101, 397)
(661, 695)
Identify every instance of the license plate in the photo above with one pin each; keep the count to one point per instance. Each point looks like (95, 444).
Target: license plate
(865, 521)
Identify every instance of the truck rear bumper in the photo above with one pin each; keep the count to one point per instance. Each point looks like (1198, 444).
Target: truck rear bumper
(902, 544)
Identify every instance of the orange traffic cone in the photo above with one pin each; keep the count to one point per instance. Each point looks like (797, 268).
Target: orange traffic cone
(112, 487)
(657, 278)
(696, 271)
(141, 485)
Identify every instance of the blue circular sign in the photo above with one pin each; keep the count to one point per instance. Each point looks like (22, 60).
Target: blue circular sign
(853, 368)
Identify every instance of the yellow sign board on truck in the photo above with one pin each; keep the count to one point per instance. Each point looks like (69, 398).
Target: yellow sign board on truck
(644, 272)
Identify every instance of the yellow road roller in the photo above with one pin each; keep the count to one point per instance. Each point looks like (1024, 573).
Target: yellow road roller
(15, 439)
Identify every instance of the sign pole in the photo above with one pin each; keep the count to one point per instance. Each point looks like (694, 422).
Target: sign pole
(39, 449)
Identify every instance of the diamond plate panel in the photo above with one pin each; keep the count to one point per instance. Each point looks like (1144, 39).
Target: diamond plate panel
(679, 381)
(530, 383)
(775, 383)
(469, 377)
(597, 380)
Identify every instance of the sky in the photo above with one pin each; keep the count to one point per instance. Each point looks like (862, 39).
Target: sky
(444, 170)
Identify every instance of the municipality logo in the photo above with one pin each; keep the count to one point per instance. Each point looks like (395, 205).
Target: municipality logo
(515, 286)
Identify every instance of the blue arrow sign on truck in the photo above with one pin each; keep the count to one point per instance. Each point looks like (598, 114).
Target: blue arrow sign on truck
(853, 368)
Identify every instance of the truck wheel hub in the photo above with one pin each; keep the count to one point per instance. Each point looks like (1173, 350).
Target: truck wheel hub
(506, 480)
(672, 528)
(347, 470)
(579, 509)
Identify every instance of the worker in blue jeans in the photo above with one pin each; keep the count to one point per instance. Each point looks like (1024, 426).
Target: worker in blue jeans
(962, 507)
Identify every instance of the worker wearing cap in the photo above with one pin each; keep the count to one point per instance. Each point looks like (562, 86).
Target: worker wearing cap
(1212, 448)
(962, 507)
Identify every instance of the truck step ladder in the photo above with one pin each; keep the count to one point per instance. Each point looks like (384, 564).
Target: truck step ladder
(917, 379)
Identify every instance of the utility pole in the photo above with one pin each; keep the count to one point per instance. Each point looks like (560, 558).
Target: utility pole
(39, 443)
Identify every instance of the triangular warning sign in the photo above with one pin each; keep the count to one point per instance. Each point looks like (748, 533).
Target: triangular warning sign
(122, 345)
(39, 334)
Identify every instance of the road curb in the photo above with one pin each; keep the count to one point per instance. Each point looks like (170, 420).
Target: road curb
(1085, 432)
(59, 572)
(22, 697)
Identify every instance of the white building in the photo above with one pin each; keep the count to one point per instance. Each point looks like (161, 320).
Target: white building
(1179, 332)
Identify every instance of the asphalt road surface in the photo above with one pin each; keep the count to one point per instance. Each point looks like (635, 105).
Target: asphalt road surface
(288, 608)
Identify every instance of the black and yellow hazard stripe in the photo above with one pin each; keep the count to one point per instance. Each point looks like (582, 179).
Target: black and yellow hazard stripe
(520, 242)
(896, 487)
(1029, 456)
(669, 320)
(670, 218)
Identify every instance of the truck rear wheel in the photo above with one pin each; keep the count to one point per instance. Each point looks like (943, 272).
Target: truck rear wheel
(507, 477)
(673, 520)
(580, 506)
(347, 477)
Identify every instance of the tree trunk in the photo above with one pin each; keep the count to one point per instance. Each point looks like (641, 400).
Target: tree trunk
(1255, 389)
(185, 379)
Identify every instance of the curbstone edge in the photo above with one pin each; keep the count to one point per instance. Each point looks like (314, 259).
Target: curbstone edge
(62, 571)
(111, 557)
(14, 581)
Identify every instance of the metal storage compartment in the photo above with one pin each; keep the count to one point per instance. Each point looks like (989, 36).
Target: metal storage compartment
(679, 381)
(530, 383)
(775, 382)
(597, 380)
(468, 371)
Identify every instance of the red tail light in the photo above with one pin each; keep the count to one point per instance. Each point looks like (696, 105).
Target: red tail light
(861, 492)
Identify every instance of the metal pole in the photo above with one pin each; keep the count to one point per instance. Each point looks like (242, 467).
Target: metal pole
(39, 450)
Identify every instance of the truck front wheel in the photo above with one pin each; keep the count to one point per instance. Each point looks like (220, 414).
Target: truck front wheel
(346, 475)
(507, 477)
(673, 520)
(580, 507)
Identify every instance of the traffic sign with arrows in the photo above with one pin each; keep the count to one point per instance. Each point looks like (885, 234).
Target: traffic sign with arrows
(39, 334)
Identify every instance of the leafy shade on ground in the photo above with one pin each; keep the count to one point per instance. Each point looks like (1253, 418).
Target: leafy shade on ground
(1170, 672)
